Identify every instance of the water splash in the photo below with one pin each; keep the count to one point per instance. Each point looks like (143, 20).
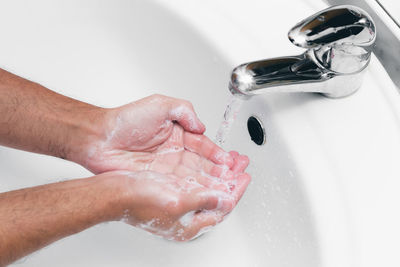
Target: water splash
(230, 115)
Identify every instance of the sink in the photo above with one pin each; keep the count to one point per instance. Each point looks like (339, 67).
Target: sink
(324, 189)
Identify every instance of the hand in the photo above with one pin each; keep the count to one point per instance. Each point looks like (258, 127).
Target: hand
(174, 208)
(156, 133)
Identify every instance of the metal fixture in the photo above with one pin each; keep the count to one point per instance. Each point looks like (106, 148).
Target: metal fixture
(339, 43)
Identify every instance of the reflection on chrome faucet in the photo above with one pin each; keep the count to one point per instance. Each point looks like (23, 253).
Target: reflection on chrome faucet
(339, 42)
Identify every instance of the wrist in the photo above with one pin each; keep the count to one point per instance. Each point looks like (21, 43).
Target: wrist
(87, 130)
(113, 195)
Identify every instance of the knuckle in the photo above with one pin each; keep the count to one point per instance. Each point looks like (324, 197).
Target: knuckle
(189, 104)
(212, 202)
(185, 103)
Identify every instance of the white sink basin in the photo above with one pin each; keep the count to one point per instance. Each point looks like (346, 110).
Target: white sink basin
(324, 190)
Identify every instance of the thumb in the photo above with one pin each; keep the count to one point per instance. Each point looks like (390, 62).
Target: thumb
(183, 113)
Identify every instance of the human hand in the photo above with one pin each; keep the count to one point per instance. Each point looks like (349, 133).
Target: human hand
(175, 208)
(144, 135)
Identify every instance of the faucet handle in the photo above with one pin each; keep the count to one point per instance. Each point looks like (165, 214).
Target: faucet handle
(340, 38)
(337, 25)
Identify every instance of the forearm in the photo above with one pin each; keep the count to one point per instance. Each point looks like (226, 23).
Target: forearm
(35, 217)
(36, 119)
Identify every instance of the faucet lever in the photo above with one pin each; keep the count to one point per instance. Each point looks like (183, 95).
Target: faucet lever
(340, 25)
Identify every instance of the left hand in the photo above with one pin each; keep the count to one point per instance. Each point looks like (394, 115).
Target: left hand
(161, 134)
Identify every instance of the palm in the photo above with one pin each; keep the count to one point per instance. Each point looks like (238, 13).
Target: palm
(170, 151)
(164, 135)
(184, 155)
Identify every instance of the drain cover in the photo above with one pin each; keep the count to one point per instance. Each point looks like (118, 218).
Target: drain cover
(256, 130)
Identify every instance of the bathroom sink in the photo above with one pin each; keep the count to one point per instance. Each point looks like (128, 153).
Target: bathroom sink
(324, 189)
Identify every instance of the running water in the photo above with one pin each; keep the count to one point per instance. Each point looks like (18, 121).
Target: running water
(230, 114)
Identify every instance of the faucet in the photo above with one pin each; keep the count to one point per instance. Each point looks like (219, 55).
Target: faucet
(339, 42)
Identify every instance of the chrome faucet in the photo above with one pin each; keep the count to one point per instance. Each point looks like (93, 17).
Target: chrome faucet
(339, 42)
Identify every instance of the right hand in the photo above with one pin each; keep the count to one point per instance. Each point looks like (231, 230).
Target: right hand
(177, 208)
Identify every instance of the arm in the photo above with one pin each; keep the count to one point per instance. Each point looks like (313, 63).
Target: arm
(36, 119)
(34, 217)
(171, 168)
(132, 137)
(39, 120)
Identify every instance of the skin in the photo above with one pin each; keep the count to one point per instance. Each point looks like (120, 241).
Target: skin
(154, 168)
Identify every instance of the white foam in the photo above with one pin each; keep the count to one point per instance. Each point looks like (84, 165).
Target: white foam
(187, 219)
(174, 149)
(150, 227)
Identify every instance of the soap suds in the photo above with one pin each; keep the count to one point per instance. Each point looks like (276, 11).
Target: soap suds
(187, 219)
(174, 149)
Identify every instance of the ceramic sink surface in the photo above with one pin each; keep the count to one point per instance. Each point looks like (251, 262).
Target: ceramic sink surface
(325, 184)
(393, 8)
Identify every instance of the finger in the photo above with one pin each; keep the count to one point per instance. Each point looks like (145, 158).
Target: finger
(174, 139)
(200, 164)
(234, 154)
(192, 179)
(216, 183)
(241, 163)
(182, 112)
(217, 171)
(198, 200)
(202, 223)
(195, 161)
(203, 146)
(224, 204)
(201, 199)
(242, 182)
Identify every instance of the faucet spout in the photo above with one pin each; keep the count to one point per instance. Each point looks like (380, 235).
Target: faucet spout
(339, 42)
(269, 75)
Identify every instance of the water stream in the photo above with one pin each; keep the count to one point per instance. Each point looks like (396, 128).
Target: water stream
(231, 111)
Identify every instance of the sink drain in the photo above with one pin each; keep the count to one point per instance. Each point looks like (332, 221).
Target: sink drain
(256, 130)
